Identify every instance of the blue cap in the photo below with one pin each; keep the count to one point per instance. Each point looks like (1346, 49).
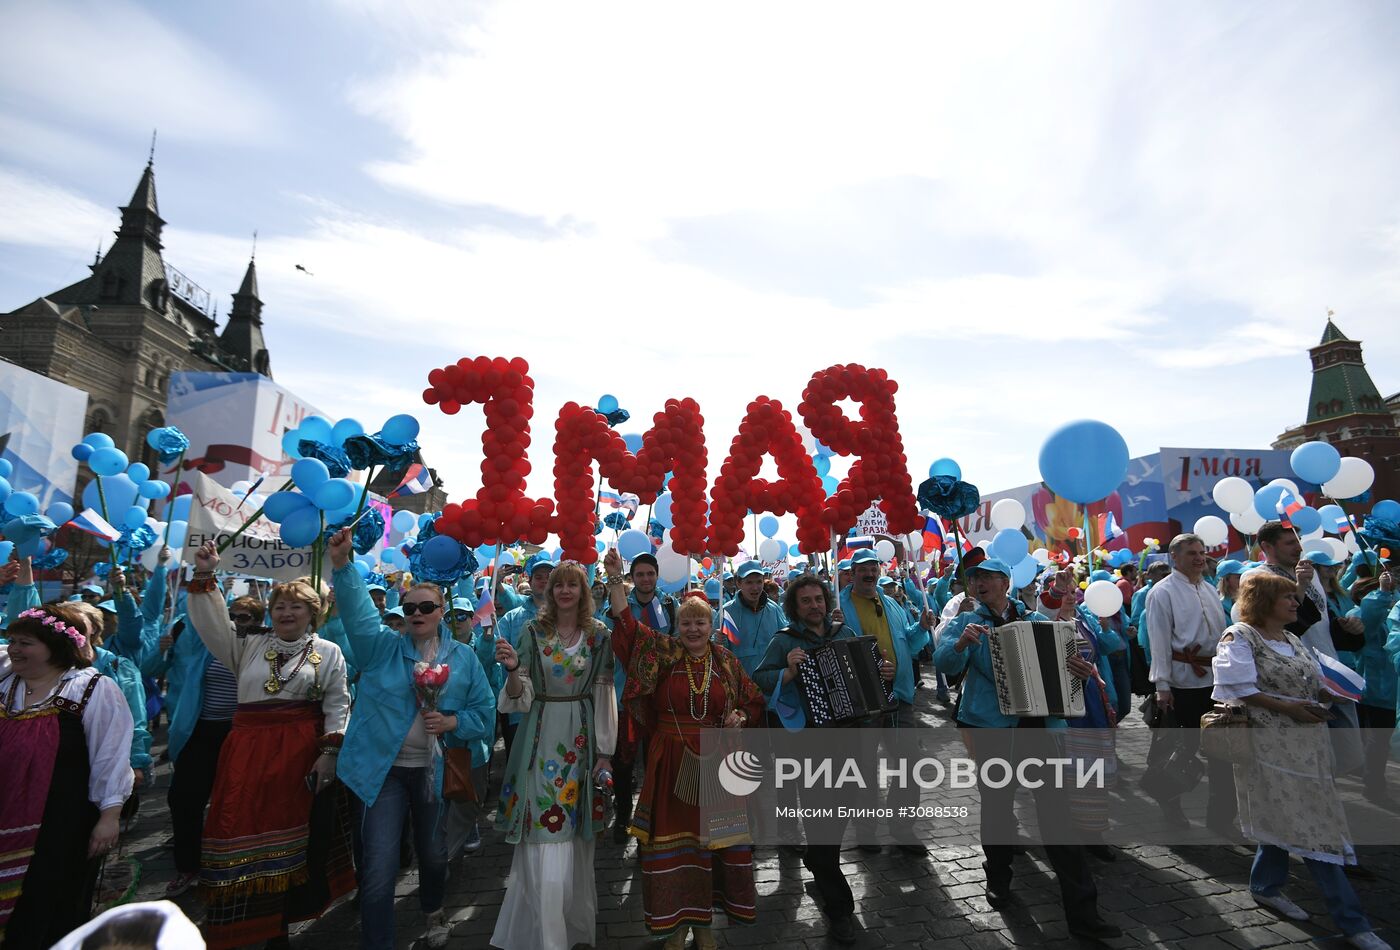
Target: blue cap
(994, 565)
(865, 556)
(1322, 558)
(462, 603)
(794, 574)
(379, 587)
(108, 605)
(750, 567)
(886, 581)
(1100, 576)
(91, 588)
(538, 560)
(728, 575)
(1229, 567)
(394, 612)
(75, 598)
(843, 565)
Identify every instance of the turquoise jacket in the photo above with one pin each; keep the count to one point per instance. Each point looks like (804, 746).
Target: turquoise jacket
(907, 641)
(1375, 664)
(122, 671)
(978, 705)
(756, 629)
(1138, 618)
(793, 637)
(139, 628)
(188, 659)
(387, 701)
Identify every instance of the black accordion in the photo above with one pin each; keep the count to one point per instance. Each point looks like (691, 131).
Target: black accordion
(840, 683)
(1028, 662)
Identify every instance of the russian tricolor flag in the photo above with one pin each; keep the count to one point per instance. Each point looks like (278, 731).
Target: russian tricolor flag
(1343, 523)
(1340, 679)
(1108, 528)
(609, 498)
(1287, 510)
(415, 481)
(95, 525)
(729, 628)
(933, 534)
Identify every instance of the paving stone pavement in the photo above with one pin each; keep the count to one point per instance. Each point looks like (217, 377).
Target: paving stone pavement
(1192, 896)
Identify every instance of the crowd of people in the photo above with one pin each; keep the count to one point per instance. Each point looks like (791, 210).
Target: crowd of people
(320, 734)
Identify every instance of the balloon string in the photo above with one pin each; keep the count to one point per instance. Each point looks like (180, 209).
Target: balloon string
(174, 494)
(254, 517)
(102, 500)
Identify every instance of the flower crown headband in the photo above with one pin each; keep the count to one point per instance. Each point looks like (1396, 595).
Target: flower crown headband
(49, 620)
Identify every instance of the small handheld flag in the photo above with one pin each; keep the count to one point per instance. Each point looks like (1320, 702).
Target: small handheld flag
(94, 524)
(1338, 678)
(729, 628)
(1108, 527)
(415, 481)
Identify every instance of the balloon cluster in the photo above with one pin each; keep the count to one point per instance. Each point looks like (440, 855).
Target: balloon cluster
(767, 429)
(439, 558)
(500, 510)
(881, 470)
(123, 491)
(319, 500)
(675, 442)
(611, 411)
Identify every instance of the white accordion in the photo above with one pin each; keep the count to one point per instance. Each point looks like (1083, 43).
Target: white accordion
(1028, 662)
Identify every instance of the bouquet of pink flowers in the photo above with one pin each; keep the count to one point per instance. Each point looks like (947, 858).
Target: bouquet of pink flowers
(428, 681)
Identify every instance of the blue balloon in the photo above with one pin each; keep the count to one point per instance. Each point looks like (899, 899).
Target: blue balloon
(6, 547)
(1267, 498)
(823, 450)
(945, 467)
(280, 505)
(5, 488)
(178, 531)
(607, 404)
(82, 451)
(7, 468)
(107, 461)
(1010, 545)
(425, 519)
(289, 444)
(794, 550)
(633, 442)
(334, 494)
(661, 510)
(485, 552)
(822, 464)
(768, 526)
(99, 440)
(399, 429)
(1306, 520)
(21, 503)
(1024, 572)
(139, 471)
(310, 474)
(1084, 461)
(302, 527)
(1331, 515)
(829, 485)
(1387, 509)
(505, 560)
(361, 568)
(1315, 462)
(673, 587)
(344, 429)
(404, 521)
(135, 517)
(179, 509)
(60, 513)
(316, 429)
(441, 552)
(632, 543)
(600, 546)
(713, 588)
(152, 489)
(121, 494)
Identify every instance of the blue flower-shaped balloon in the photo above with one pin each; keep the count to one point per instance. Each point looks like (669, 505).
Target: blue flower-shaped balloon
(616, 418)
(429, 564)
(1382, 533)
(335, 460)
(366, 450)
(948, 497)
(135, 540)
(368, 533)
(51, 560)
(375, 578)
(101, 569)
(169, 442)
(616, 520)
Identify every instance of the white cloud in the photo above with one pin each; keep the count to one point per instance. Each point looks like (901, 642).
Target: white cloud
(39, 213)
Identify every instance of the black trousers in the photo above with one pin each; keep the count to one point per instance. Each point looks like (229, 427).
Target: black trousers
(1191, 704)
(625, 780)
(1070, 861)
(191, 786)
(1377, 723)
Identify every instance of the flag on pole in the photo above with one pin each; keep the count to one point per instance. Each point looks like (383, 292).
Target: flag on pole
(94, 524)
(1287, 510)
(729, 628)
(1338, 678)
(610, 499)
(415, 481)
(485, 611)
(933, 533)
(1343, 523)
(1108, 527)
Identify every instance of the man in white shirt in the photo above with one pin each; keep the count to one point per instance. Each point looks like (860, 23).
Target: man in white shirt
(1184, 622)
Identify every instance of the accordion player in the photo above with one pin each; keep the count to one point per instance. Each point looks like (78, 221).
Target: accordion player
(840, 683)
(1028, 664)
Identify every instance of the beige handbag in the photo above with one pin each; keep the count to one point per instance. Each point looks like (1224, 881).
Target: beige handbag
(1225, 735)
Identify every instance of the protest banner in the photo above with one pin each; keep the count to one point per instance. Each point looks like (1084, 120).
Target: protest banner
(257, 552)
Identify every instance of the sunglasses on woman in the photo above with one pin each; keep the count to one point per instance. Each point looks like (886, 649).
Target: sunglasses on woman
(421, 607)
(242, 618)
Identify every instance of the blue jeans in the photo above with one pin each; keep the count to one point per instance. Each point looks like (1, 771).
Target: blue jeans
(1270, 873)
(405, 791)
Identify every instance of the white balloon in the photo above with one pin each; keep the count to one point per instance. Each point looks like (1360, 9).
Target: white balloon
(1247, 521)
(1041, 556)
(1103, 598)
(884, 549)
(914, 542)
(1313, 535)
(1233, 494)
(671, 565)
(985, 545)
(1353, 478)
(772, 550)
(1008, 514)
(1339, 549)
(1213, 531)
(1351, 543)
(1317, 544)
(1288, 483)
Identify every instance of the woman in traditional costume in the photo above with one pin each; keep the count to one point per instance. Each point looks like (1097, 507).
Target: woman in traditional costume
(677, 686)
(65, 731)
(277, 838)
(560, 675)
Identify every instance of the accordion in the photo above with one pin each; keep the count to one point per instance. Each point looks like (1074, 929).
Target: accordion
(840, 683)
(1028, 662)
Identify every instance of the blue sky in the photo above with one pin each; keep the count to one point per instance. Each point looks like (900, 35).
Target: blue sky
(1138, 213)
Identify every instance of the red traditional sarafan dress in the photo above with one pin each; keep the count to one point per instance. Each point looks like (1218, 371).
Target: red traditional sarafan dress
(688, 870)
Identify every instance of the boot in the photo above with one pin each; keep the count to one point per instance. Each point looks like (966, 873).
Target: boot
(704, 938)
(677, 940)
